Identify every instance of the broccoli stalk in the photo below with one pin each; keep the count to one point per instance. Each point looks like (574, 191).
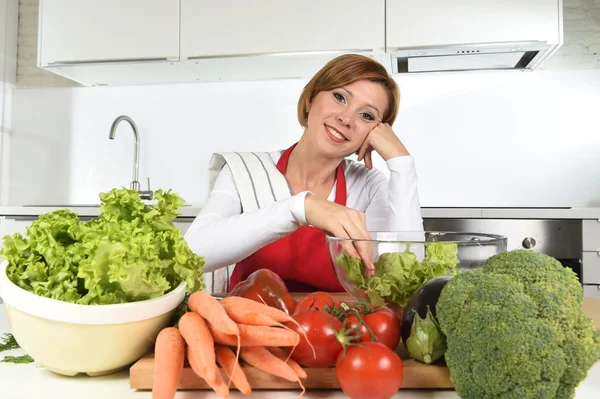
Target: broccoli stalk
(515, 329)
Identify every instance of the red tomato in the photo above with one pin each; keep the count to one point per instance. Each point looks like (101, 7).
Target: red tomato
(369, 371)
(317, 301)
(320, 328)
(381, 320)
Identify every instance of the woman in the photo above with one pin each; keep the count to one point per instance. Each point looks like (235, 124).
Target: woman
(348, 107)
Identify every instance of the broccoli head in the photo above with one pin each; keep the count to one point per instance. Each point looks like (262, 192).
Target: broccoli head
(515, 329)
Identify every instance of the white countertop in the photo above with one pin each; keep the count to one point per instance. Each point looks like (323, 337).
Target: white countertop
(27, 381)
(192, 211)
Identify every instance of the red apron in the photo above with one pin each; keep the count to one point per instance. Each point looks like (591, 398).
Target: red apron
(301, 259)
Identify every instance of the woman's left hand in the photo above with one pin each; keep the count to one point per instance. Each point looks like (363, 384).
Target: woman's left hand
(383, 140)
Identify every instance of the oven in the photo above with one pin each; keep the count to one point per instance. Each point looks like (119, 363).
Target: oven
(559, 238)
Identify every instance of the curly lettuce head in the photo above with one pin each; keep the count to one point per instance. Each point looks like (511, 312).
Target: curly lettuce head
(399, 274)
(132, 252)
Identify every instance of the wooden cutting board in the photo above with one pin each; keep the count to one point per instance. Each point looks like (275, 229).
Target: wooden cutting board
(416, 374)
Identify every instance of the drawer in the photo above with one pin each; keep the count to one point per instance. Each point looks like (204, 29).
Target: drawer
(183, 226)
(591, 267)
(591, 291)
(591, 235)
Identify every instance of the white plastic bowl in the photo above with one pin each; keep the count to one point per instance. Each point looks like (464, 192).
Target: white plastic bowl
(70, 339)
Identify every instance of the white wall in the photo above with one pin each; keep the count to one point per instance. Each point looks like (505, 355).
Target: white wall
(8, 75)
(480, 139)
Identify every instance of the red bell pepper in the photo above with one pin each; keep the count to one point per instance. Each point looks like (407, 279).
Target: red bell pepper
(265, 286)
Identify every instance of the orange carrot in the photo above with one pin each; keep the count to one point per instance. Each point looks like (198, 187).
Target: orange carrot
(262, 359)
(250, 317)
(248, 304)
(280, 353)
(201, 345)
(257, 336)
(227, 359)
(214, 380)
(213, 312)
(169, 356)
(275, 314)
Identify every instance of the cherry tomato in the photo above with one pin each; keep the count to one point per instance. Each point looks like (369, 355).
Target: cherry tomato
(381, 320)
(320, 328)
(369, 371)
(317, 301)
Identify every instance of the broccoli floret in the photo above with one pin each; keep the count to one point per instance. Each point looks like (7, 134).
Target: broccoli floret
(515, 329)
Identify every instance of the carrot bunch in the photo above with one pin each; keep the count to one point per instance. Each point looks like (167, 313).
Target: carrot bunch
(207, 335)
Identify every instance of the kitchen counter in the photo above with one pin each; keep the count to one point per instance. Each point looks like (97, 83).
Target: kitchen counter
(26, 381)
(192, 211)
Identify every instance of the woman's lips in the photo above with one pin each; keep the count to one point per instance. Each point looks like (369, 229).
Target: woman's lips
(335, 135)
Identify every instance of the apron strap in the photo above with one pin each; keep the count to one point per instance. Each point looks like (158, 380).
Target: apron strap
(256, 177)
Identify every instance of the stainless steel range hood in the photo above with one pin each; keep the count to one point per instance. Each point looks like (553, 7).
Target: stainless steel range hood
(467, 57)
(466, 35)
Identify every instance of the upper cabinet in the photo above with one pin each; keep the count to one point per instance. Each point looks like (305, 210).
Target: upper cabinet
(412, 23)
(114, 42)
(233, 27)
(80, 31)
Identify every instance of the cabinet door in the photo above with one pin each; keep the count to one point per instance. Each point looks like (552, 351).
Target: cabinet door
(591, 235)
(591, 267)
(108, 30)
(233, 27)
(412, 23)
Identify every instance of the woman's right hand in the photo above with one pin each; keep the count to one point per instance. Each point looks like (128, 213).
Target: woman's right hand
(342, 222)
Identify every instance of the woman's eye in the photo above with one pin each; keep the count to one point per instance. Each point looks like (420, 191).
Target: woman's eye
(339, 97)
(367, 116)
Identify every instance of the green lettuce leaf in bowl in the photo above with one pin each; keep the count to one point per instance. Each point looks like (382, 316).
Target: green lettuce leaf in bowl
(399, 274)
(132, 252)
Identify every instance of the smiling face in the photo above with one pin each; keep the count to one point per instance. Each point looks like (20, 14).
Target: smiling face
(339, 120)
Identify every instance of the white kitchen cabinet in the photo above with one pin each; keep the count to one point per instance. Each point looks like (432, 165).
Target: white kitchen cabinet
(83, 31)
(231, 27)
(11, 225)
(591, 291)
(412, 23)
(183, 224)
(591, 267)
(591, 235)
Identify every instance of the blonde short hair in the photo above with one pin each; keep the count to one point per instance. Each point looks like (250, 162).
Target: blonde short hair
(344, 70)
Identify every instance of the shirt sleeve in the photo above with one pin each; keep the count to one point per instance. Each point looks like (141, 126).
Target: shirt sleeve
(394, 204)
(223, 235)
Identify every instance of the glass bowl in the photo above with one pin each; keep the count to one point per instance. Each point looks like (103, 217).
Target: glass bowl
(447, 251)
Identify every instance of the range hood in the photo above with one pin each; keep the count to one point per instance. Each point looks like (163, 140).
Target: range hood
(475, 56)
(466, 35)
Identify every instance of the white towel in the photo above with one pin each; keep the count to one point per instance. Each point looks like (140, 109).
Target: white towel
(259, 183)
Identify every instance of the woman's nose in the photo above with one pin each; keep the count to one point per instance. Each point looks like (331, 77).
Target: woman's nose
(344, 119)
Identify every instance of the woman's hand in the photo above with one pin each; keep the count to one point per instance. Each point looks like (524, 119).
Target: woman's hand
(342, 222)
(383, 140)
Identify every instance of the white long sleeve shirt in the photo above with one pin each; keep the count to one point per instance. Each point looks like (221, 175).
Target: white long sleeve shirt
(223, 235)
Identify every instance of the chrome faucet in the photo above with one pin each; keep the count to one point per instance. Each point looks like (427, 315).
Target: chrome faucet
(135, 184)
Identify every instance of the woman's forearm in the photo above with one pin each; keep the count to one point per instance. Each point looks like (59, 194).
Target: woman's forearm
(223, 241)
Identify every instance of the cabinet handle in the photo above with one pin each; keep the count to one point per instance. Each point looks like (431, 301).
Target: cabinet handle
(111, 61)
(278, 54)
